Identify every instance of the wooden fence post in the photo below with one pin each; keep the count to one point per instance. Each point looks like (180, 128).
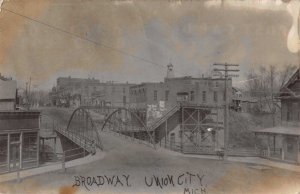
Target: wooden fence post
(64, 162)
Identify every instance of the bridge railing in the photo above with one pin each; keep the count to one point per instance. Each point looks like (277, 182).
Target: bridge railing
(78, 139)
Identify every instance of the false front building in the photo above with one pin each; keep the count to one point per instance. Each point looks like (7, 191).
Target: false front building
(19, 132)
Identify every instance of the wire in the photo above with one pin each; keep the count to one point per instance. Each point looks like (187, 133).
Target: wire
(82, 38)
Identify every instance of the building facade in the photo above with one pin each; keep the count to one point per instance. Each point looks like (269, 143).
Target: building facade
(68, 88)
(153, 101)
(283, 142)
(19, 132)
(160, 97)
(243, 102)
(112, 94)
(75, 92)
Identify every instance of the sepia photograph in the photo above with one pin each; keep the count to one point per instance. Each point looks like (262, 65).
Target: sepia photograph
(150, 96)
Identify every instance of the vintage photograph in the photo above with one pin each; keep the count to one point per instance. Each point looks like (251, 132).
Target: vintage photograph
(149, 96)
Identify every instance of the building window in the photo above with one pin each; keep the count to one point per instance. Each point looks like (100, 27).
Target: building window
(29, 149)
(155, 95)
(290, 147)
(197, 86)
(224, 96)
(217, 84)
(294, 111)
(167, 95)
(204, 96)
(182, 96)
(15, 137)
(288, 113)
(124, 100)
(215, 96)
(192, 95)
(299, 114)
(3, 149)
(180, 134)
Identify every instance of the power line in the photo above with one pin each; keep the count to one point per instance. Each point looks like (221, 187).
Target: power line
(82, 38)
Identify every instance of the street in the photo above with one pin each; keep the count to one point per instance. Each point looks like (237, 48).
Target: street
(129, 167)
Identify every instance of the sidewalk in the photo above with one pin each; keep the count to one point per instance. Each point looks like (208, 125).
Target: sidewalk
(50, 168)
(250, 160)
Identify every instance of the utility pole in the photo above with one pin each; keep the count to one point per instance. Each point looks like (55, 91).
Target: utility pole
(29, 98)
(272, 96)
(226, 69)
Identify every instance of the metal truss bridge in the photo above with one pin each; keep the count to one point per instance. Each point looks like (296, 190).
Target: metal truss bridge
(87, 123)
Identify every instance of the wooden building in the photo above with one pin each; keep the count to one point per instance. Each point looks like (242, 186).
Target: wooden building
(19, 132)
(283, 142)
(19, 137)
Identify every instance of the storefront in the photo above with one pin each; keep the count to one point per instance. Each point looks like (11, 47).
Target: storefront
(19, 137)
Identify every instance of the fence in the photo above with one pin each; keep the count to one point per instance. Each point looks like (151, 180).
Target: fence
(210, 150)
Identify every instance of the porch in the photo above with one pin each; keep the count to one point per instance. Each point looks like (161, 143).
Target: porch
(279, 143)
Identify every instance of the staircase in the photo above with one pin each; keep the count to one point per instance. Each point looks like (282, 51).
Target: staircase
(161, 120)
(171, 119)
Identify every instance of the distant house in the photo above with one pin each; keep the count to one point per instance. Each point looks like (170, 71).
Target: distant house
(242, 102)
(283, 142)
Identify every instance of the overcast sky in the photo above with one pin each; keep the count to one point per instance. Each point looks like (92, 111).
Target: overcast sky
(137, 39)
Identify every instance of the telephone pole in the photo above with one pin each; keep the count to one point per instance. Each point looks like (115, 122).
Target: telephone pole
(226, 69)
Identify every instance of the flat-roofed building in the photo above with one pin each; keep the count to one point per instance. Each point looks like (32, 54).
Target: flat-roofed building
(8, 92)
(158, 102)
(19, 132)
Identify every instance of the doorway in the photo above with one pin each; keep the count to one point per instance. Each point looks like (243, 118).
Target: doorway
(15, 151)
(14, 156)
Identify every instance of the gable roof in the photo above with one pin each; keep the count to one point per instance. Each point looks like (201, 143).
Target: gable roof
(285, 88)
(8, 89)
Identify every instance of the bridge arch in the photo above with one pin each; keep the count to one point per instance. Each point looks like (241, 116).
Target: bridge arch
(82, 125)
(126, 122)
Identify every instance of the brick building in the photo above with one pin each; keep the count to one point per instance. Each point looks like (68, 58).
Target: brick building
(152, 101)
(74, 92)
(163, 96)
(111, 94)
(68, 88)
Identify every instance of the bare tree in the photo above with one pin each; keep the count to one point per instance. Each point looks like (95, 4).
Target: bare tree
(265, 83)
